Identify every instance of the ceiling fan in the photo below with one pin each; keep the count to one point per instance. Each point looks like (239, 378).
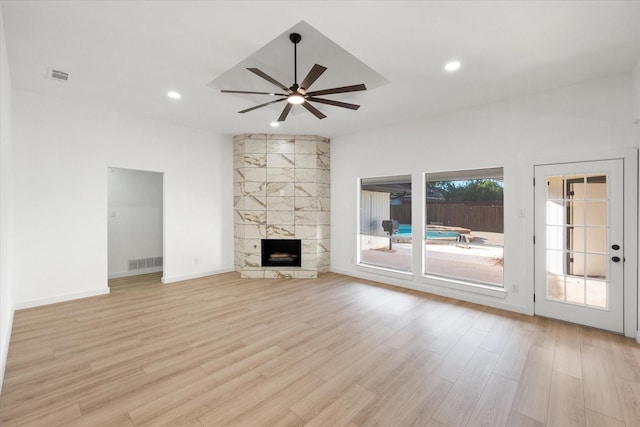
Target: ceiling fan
(298, 94)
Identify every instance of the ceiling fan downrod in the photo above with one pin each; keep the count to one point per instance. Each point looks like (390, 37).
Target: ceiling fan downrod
(295, 39)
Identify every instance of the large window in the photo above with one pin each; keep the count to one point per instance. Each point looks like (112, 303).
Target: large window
(464, 236)
(385, 222)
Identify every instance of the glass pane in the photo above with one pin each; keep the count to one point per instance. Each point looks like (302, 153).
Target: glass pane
(576, 191)
(385, 203)
(577, 254)
(597, 293)
(576, 213)
(465, 240)
(575, 289)
(596, 213)
(555, 237)
(576, 264)
(555, 212)
(596, 266)
(596, 240)
(555, 262)
(575, 185)
(554, 188)
(576, 239)
(555, 287)
(597, 188)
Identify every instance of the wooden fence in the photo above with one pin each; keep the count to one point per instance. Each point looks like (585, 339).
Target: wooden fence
(478, 216)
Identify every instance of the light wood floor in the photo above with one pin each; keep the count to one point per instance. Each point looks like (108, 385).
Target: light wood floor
(135, 282)
(329, 352)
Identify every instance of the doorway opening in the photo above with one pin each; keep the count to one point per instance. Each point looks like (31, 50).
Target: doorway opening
(135, 226)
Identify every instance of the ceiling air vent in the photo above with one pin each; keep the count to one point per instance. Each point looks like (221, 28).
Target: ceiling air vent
(57, 75)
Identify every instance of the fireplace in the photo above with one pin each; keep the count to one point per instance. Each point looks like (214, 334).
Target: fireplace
(281, 191)
(281, 253)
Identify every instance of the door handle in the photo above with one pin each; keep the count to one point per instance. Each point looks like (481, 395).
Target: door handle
(615, 259)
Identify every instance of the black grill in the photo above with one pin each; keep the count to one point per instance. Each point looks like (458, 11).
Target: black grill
(390, 226)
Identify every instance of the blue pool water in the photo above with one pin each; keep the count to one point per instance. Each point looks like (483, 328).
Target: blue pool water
(404, 230)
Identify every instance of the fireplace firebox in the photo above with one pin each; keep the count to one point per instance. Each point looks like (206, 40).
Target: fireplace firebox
(281, 253)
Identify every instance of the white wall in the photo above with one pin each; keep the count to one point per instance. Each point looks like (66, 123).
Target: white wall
(61, 153)
(6, 223)
(636, 93)
(590, 117)
(135, 219)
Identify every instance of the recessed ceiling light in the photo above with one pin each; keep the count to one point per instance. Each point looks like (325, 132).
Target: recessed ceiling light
(174, 95)
(275, 124)
(452, 66)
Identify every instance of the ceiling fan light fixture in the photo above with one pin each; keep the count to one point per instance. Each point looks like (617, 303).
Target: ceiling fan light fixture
(295, 99)
(452, 66)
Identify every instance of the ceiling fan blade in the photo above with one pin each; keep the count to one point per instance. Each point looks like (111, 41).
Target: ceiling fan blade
(313, 110)
(253, 93)
(313, 75)
(344, 89)
(261, 105)
(334, 103)
(268, 78)
(285, 112)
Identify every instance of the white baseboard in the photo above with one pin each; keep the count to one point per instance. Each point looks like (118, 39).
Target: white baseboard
(5, 349)
(462, 295)
(61, 298)
(172, 279)
(135, 272)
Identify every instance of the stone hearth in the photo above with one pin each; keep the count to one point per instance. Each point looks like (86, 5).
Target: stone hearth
(281, 191)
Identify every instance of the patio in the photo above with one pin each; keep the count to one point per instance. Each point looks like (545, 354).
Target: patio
(479, 261)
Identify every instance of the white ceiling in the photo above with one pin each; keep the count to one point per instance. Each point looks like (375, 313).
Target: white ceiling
(127, 55)
(277, 58)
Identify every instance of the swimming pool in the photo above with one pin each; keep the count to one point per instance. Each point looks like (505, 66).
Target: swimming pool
(404, 230)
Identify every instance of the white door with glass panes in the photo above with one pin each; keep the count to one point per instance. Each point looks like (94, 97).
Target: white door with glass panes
(579, 243)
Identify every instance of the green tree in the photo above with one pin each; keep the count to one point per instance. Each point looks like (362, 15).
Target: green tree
(473, 190)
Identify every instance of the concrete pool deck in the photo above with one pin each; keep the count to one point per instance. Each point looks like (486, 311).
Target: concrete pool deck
(479, 261)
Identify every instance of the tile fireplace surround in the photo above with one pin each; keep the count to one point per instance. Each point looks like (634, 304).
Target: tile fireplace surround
(281, 191)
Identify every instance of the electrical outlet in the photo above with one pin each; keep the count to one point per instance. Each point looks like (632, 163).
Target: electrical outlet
(196, 260)
(515, 288)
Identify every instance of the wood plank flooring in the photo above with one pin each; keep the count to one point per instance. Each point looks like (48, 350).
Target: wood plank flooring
(335, 351)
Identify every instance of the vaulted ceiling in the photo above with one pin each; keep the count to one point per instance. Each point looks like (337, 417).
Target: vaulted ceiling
(126, 55)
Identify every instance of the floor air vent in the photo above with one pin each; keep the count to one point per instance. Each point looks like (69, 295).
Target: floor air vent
(137, 264)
